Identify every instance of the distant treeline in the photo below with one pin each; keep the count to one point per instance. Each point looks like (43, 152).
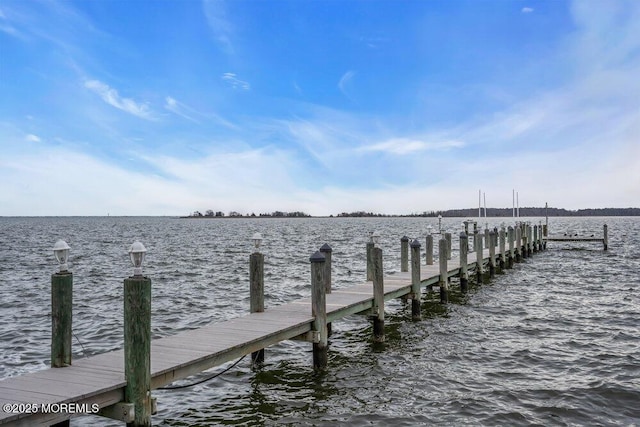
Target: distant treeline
(460, 213)
(508, 212)
(234, 214)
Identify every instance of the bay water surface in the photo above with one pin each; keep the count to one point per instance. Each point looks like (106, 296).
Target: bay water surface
(553, 341)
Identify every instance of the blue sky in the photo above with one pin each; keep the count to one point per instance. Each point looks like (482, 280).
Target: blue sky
(166, 107)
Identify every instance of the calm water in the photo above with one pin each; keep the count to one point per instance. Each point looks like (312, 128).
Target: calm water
(552, 342)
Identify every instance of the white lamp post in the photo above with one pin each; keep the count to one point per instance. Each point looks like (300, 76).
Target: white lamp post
(375, 237)
(257, 240)
(136, 253)
(61, 251)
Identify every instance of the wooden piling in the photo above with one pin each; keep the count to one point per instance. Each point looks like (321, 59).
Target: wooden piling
(492, 254)
(319, 310)
(447, 237)
(404, 254)
(378, 296)
(370, 246)
(444, 274)
(326, 251)
(429, 249)
(605, 237)
(518, 243)
(415, 280)
(464, 276)
(486, 238)
(478, 243)
(511, 237)
(256, 296)
(502, 257)
(137, 348)
(61, 318)
(535, 239)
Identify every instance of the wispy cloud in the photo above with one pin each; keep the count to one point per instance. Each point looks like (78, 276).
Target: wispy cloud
(111, 97)
(344, 82)
(178, 108)
(189, 113)
(216, 13)
(402, 146)
(235, 82)
(32, 138)
(527, 9)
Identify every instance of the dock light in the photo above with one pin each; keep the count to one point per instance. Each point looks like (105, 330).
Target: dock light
(375, 237)
(257, 239)
(137, 252)
(61, 251)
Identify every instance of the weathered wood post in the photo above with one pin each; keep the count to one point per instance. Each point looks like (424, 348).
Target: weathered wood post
(605, 237)
(415, 280)
(378, 296)
(319, 310)
(429, 249)
(61, 308)
(486, 238)
(444, 274)
(464, 248)
(523, 236)
(492, 254)
(518, 243)
(326, 251)
(545, 233)
(503, 256)
(535, 238)
(529, 240)
(370, 257)
(137, 339)
(512, 255)
(478, 243)
(404, 254)
(256, 292)
(447, 237)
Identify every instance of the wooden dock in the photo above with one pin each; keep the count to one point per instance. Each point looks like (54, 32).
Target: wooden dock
(574, 237)
(100, 380)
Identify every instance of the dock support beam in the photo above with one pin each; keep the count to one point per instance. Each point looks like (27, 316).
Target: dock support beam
(404, 254)
(370, 260)
(464, 276)
(137, 348)
(429, 249)
(503, 255)
(378, 296)
(61, 318)
(512, 255)
(605, 237)
(415, 280)
(486, 238)
(478, 243)
(326, 251)
(444, 274)
(492, 253)
(256, 296)
(319, 310)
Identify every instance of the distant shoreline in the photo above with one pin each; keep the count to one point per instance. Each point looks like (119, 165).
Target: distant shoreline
(452, 213)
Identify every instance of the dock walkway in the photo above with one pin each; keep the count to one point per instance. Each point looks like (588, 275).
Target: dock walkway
(100, 379)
